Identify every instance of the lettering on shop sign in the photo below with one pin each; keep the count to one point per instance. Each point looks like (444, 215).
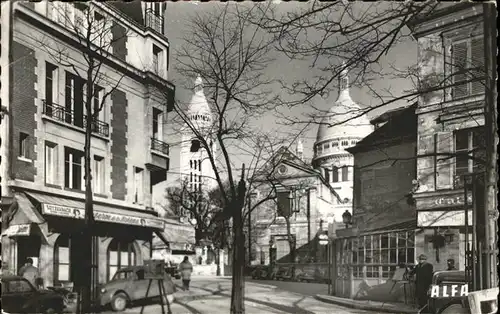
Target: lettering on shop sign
(18, 230)
(77, 213)
(450, 201)
(449, 291)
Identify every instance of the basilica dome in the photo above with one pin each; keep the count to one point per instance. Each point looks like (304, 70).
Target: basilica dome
(344, 124)
(199, 111)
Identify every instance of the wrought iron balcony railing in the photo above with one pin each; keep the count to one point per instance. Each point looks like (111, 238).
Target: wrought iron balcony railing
(160, 146)
(65, 115)
(154, 21)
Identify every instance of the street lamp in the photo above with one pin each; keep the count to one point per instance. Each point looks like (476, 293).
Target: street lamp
(347, 218)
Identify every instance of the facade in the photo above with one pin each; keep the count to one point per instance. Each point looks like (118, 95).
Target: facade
(382, 234)
(451, 123)
(301, 191)
(340, 129)
(42, 135)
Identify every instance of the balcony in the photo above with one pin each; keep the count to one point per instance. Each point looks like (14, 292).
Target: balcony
(160, 146)
(61, 114)
(154, 21)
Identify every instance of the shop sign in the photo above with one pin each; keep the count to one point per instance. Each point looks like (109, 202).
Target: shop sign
(456, 200)
(77, 213)
(452, 201)
(18, 230)
(128, 220)
(63, 211)
(442, 218)
(449, 291)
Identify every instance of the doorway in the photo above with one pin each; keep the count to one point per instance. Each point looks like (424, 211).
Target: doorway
(28, 247)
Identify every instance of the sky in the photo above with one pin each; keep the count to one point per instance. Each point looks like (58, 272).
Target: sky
(401, 56)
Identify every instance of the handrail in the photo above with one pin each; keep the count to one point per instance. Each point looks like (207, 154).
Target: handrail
(160, 146)
(65, 115)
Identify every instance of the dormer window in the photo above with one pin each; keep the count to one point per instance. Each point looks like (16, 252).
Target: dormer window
(154, 14)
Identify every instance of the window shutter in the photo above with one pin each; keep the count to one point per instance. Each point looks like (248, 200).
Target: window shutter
(284, 206)
(459, 61)
(444, 164)
(426, 160)
(477, 63)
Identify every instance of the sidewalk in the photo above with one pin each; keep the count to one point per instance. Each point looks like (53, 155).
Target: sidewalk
(368, 305)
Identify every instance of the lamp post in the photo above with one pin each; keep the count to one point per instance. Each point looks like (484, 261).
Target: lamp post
(347, 218)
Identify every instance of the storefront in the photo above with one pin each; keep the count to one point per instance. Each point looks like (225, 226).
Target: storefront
(370, 257)
(45, 228)
(174, 242)
(441, 216)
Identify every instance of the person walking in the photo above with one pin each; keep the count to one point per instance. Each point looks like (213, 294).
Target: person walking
(423, 273)
(185, 268)
(30, 272)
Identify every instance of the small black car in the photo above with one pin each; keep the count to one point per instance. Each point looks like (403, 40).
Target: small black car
(19, 296)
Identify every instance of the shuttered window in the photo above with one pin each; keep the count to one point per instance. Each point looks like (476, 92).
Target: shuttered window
(467, 57)
(470, 153)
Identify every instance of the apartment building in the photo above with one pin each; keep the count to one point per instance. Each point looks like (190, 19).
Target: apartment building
(450, 140)
(43, 135)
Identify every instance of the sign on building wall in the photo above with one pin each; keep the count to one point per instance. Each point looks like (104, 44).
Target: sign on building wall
(442, 218)
(78, 213)
(18, 230)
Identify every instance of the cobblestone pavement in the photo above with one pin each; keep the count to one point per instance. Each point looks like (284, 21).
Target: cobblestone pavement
(214, 296)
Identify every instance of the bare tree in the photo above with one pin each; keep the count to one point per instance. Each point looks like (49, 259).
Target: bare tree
(93, 83)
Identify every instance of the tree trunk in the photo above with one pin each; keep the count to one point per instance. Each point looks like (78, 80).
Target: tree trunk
(291, 240)
(89, 209)
(238, 287)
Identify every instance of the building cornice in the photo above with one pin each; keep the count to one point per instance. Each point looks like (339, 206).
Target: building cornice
(440, 106)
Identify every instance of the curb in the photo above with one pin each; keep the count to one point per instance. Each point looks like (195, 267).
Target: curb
(366, 307)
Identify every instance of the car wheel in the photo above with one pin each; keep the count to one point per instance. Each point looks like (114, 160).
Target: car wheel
(119, 302)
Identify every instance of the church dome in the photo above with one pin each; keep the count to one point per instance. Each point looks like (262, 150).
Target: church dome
(334, 124)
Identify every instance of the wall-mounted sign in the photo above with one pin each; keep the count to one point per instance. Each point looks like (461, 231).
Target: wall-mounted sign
(17, 230)
(442, 218)
(79, 213)
(431, 202)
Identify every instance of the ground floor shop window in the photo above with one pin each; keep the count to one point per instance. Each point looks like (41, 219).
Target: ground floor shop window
(62, 257)
(375, 255)
(121, 253)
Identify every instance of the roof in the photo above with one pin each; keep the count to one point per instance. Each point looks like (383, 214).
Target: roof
(132, 9)
(401, 124)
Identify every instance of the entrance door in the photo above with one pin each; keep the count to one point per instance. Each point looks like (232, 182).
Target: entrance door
(28, 247)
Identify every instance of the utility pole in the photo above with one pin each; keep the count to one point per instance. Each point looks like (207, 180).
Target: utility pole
(250, 229)
(490, 275)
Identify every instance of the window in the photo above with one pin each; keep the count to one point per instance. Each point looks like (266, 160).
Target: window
(353, 142)
(467, 68)
(73, 169)
(23, 145)
(62, 257)
(335, 144)
(327, 175)
(345, 143)
(157, 124)
(50, 163)
(138, 185)
(74, 100)
(157, 60)
(326, 146)
(120, 254)
(345, 173)
(99, 103)
(282, 248)
(335, 174)
(98, 177)
(18, 286)
(469, 143)
(51, 88)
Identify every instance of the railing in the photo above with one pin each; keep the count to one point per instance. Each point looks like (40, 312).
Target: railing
(62, 114)
(160, 146)
(154, 21)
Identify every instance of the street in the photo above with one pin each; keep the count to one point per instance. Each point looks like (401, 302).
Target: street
(213, 295)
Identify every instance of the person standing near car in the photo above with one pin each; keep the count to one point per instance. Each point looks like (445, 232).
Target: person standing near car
(186, 268)
(29, 272)
(423, 273)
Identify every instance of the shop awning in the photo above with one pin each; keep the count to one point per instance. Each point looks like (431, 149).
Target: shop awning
(175, 237)
(23, 219)
(75, 209)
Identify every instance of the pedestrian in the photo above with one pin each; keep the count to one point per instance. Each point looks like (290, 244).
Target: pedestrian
(185, 268)
(451, 264)
(29, 272)
(423, 272)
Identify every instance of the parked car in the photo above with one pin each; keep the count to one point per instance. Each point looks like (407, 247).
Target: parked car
(285, 273)
(445, 293)
(20, 296)
(263, 272)
(129, 285)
